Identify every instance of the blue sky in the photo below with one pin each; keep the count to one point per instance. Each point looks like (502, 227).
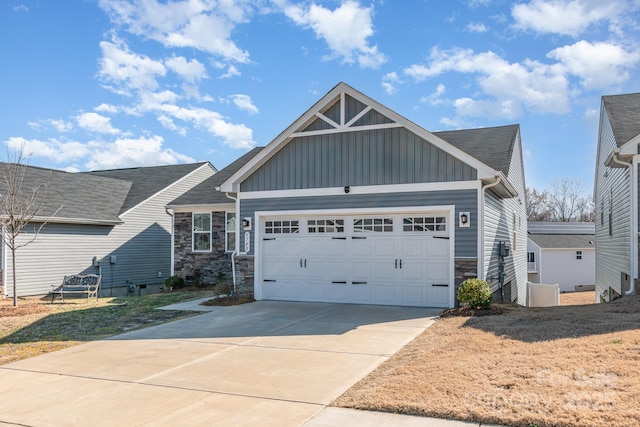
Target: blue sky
(112, 83)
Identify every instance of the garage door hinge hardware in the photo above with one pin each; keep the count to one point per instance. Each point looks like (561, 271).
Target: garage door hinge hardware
(440, 285)
(358, 238)
(268, 280)
(303, 264)
(337, 282)
(358, 283)
(339, 238)
(441, 237)
(396, 265)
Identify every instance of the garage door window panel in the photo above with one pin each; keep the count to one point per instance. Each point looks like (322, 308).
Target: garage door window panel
(376, 225)
(325, 226)
(282, 227)
(425, 223)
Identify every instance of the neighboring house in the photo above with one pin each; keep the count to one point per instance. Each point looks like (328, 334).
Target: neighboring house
(354, 203)
(562, 253)
(111, 222)
(616, 196)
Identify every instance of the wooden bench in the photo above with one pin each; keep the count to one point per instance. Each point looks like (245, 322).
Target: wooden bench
(77, 284)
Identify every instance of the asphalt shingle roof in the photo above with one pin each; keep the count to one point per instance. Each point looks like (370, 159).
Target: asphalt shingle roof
(624, 113)
(493, 146)
(146, 181)
(205, 193)
(562, 235)
(82, 197)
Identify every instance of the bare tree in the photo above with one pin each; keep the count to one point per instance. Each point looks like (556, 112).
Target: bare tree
(568, 202)
(537, 205)
(20, 205)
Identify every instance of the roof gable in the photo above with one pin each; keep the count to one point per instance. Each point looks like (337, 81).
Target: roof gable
(147, 181)
(623, 112)
(342, 110)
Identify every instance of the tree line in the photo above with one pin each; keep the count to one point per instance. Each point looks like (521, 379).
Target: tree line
(566, 201)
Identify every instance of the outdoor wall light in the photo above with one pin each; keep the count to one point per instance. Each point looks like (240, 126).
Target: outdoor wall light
(246, 223)
(464, 219)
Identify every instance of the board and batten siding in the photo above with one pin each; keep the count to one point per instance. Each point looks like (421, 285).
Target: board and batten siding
(141, 245)
(371, 157)
(464, 201)
(612, 196)
(506, 220)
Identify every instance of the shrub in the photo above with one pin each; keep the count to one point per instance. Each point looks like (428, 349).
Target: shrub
(172, 282)
(475, 293)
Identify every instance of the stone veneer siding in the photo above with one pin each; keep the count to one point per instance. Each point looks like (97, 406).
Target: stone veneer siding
(464, 269)
(244, 274)
(207, 267)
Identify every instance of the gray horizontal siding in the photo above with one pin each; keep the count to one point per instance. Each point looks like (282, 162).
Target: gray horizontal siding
(464, 201)
(373, 157)
(612, 194)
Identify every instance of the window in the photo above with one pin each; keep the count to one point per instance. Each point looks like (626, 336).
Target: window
(531, 257)
(230, 232)
(578, 254)
(429, 223)
(201, 237)
(326, 225)
(384, 225)
(282, 227)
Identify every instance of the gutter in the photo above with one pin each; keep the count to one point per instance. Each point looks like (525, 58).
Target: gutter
(615, 159)
(235, 250)
(483, 190)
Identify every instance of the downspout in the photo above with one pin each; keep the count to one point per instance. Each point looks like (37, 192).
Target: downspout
(634, 218)
(481, 231)
(173, 239)
(235, 250)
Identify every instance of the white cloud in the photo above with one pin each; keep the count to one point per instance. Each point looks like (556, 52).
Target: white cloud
(57, 125)
(389, 82)
(529, 85)
(94, 122)
(434, 98)
(56, 150)
(191, 71)
(199, 24)
(132, 152)
(566, 17)
(244, 103)
(598, 65)
(476, 27)
(346, 30)
(232, 71)
(106, 108)
(128, 71)
(20, 8)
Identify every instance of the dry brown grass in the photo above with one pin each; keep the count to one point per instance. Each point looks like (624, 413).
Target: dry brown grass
(578, 298)
(558, 366)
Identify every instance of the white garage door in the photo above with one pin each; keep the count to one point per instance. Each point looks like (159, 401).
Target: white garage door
(399, 259)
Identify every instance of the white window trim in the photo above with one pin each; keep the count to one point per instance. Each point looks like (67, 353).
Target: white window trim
(193, 233)
(228, 231)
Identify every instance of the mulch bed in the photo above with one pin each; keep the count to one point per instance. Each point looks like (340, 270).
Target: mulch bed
(229, 301)
(466, 311)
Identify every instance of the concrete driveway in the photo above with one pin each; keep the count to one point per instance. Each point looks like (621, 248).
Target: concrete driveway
(267, 363)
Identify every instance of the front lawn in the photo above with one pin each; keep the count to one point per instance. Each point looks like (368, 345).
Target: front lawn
(560, 366)
(37, 326)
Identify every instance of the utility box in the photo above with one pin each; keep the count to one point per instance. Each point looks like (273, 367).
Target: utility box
(543, 295)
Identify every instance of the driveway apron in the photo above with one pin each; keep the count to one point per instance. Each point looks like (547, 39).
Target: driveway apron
(268, 363)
